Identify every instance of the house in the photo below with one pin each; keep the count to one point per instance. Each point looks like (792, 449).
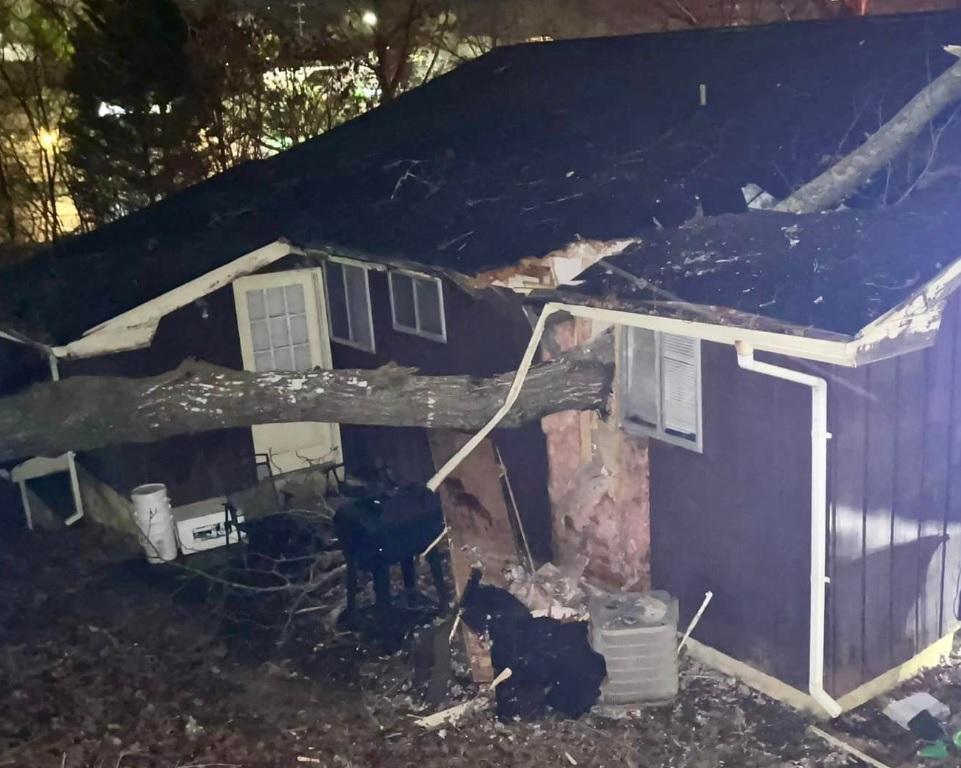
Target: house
(412, 235)
(787, 388)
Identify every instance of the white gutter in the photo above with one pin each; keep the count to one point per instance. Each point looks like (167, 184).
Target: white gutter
(820, 350)
(741, 339)
(819, 462)
(71, 461)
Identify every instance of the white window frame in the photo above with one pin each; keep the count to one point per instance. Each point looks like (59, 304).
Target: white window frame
(442, 336)
(312, 284)
(370, 309)
(657, 431)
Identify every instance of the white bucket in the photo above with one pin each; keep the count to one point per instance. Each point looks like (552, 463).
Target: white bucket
(151, 509)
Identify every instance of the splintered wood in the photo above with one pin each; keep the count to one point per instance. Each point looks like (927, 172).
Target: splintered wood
(478, 526)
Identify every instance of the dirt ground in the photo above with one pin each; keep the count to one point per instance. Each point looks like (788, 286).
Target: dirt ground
(111, 664)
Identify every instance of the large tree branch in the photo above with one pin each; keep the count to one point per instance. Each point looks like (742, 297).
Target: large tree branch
(845, 177)
(88, 412)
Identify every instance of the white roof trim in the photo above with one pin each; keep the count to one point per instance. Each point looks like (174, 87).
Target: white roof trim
(136, 327)
(920, 313)
(821, 350)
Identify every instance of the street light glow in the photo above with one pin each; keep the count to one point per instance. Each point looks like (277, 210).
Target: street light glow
(48, 139)
(369, 18)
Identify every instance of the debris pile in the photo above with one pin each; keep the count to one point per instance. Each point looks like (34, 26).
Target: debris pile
(559, 593)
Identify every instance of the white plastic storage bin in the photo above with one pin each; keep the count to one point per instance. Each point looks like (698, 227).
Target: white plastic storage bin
(203, 525)
(155, 523)
(636, 633)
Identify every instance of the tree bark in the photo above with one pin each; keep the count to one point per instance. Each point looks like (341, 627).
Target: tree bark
(845, 177)
(88, 412)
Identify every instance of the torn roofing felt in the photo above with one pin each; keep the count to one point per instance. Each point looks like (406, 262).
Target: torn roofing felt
(515, 155)
(835, 272)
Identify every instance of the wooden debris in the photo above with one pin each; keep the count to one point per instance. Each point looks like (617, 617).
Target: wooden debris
(449, 715)
(452, 714)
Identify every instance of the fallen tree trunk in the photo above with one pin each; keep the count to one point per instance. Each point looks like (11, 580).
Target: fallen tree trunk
(88, 412)
(845, 177)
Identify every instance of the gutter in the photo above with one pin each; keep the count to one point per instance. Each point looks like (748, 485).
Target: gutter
(742, 340)
(819, 461)
(71, 457)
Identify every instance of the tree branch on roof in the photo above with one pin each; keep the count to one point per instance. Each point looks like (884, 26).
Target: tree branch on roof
(845, 177)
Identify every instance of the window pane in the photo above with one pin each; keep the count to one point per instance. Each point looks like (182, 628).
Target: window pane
(298, 329)
(302, 357)
(278, 332)
(361, 333)
(258, 334)
(428, 306)
(255, 305)
(402, 293)
(640, 385)
(275, 302)
(284, 359)
(337, 300)
(263, 361)
(295, 299)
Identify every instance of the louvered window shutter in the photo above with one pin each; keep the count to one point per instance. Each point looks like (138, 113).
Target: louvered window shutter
(679, 386)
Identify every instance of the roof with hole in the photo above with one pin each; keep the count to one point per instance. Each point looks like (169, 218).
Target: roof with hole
(515, 155)
(834, 272)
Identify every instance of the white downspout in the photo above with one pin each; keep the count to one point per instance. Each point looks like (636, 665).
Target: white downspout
(819, 461)
(71, 459)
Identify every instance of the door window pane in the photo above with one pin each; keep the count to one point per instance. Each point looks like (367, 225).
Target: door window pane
(276, 306)
(255, 305)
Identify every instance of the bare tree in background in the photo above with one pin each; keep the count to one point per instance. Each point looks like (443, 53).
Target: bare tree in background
(34, 56)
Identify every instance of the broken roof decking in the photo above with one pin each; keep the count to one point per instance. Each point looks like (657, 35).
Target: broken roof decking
(832, 272)
(515, 155)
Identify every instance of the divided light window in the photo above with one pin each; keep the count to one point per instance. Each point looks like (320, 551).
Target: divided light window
(348, 304)
(417, 305)
(661, 386)
(278, 328)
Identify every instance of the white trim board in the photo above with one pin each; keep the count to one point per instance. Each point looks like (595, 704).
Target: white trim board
(135, 328)
(793, 697)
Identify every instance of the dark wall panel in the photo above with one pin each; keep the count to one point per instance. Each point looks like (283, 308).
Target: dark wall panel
(896, 508)
(939, 402)
(879, 501)
(736, 519)
(951, 527)
(845, 635)
(486, 334)
(193, 467)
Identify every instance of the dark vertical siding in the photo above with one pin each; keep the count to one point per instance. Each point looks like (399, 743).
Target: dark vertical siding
(845, 634)
(895, 496)
(194, 467)
(878, 506)
(736, 519)
(486, 333)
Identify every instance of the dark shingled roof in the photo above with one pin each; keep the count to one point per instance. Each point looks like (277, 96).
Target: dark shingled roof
(516, 154)
(832, 271)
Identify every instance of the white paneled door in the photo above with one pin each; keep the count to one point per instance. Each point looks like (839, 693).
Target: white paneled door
(283, 327)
